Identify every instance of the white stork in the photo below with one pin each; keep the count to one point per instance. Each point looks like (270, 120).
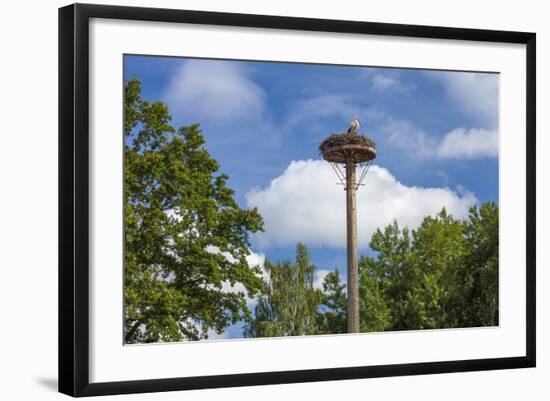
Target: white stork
(354, 125)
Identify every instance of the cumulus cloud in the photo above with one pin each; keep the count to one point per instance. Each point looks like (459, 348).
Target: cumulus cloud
(472, 143)
(253, 259)
(217, 90)
(256, 259)
(304, 204)
(320, 275)
(475, 94)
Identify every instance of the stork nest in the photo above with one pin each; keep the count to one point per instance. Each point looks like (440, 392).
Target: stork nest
(348, 146)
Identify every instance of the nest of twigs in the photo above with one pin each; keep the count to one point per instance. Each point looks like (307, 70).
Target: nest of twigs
(341, 147)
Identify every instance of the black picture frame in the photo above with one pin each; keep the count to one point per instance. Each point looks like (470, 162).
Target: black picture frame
(74, 198)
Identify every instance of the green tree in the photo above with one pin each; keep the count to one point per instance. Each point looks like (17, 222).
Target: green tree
(186, 239)
(438, 254)
(374, 312)
(443, 274)
(387, 282)
(332, 315)
(480, 277)
(288, 306)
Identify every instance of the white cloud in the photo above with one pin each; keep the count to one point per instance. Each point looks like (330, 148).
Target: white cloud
(304, 204)
(253, 259)
(256, 259)
(320, 275)
(385, 79)
(473, 93)
(404, 134)
(471, 144)
(458, 143)
(218, 91)
(383, 82)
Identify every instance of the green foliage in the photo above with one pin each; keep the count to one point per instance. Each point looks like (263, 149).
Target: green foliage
(289, 305)
(480, 278)
(384, 281)
(374, 312)
(332, 315)
(186, 239)
(444, 274)
(438, 254)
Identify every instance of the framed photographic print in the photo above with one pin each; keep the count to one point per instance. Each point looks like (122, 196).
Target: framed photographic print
(250, 199)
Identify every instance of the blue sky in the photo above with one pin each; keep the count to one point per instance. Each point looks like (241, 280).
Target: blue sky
(436, 134)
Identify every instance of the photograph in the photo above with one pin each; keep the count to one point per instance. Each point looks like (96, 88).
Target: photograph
(268, 201)
(280, 199)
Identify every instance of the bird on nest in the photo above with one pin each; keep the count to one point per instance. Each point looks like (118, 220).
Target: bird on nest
(354, 125)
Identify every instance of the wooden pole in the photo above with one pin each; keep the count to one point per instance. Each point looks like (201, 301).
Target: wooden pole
(351, 216)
